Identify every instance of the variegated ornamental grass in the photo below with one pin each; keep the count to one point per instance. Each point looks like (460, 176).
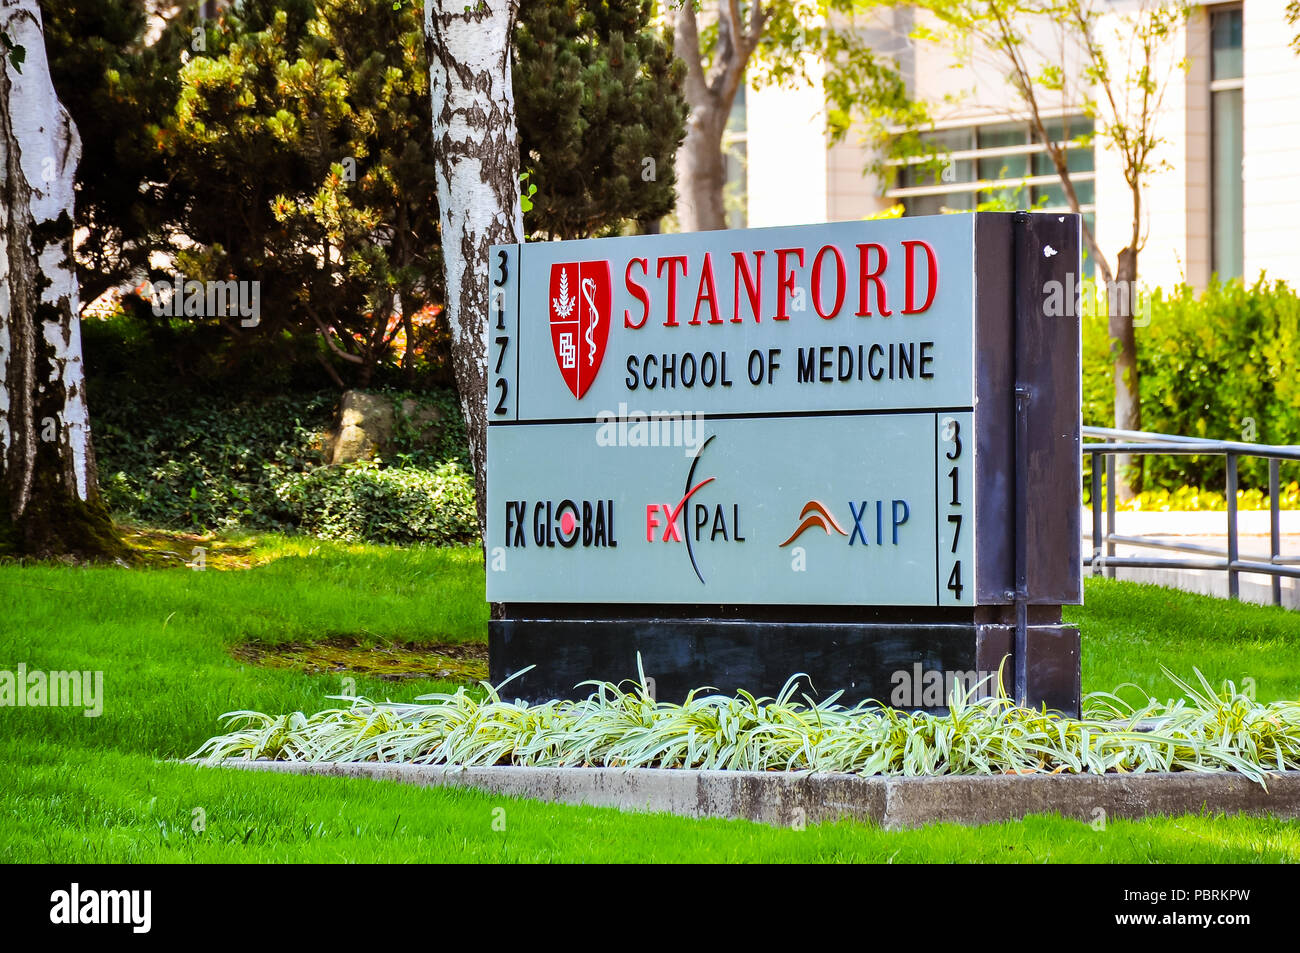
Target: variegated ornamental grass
(1209, 730)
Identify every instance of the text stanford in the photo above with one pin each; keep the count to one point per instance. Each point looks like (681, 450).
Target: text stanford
(830, 287)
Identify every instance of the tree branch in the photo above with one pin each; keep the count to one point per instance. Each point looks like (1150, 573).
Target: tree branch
(686, 46)
(1008, 39)
(740, 44)
(329, 340)
(758, 18)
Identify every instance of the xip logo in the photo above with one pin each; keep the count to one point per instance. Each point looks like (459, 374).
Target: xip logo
(816, 515)
(581, 300)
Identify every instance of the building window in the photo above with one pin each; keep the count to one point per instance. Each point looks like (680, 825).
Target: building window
(1228, 227)
(735, 151)
(996, 161)
(1001, 163)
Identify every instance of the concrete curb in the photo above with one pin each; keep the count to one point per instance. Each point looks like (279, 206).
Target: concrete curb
(786, 799)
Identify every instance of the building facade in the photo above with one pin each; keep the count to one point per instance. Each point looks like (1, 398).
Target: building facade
(1223, 199)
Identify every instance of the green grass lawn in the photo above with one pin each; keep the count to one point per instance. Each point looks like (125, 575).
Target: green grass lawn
(77, 789)
(1130, 630)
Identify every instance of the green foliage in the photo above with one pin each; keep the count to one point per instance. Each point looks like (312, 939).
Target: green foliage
(302, 136)
(1218, 730)
(1224, 364)
(361, 501)
(1062, 50)
(71, 804)
(291, 144)
(205, 462)
(862, 86)
(71, 787)
(864, 89)
(194, 462)
(118, 90)
(1008, 200)
(134, 354)
(17, 52)
(409, 445)
(598, 93)
(1195, 499)
(526, 194)
(210, 451)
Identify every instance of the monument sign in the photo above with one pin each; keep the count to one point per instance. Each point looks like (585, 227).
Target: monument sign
(843, 450)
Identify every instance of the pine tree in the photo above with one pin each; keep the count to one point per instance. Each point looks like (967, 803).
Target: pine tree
(601, 113)
(278, 144)
(118, 89)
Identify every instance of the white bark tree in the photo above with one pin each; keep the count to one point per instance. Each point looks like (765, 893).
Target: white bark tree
(49, 499)
(476, 148)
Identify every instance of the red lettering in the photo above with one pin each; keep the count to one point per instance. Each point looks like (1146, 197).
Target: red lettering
(651, 521)
(671, 533)
(817, 282)
(671, 261)
(753, 285)
(865, 275)
(706, 278)
(784, 280)
(672, 514)
(638, 292)
(932, 279)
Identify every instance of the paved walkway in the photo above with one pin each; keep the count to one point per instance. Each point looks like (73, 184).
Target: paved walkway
(1204, 529)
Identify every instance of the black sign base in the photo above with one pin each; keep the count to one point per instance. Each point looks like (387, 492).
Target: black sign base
(908, 663)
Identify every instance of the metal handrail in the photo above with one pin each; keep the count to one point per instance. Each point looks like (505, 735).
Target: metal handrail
(1142, 443)
(1202, 445)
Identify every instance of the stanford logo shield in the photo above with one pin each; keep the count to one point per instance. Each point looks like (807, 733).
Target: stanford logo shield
(581, 300)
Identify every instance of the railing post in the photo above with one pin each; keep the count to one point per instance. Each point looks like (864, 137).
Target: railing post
(1110, 512)
(1233, 582)
(1096, 514)
(1274, 524)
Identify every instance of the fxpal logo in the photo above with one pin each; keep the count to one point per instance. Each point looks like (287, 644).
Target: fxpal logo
(870, 519)
(581, 296)
(76, 906)
(690, 521)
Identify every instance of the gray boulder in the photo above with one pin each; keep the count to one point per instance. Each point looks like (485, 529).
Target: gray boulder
(366, 425)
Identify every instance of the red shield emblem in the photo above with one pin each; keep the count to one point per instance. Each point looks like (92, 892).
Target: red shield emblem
(581, 300)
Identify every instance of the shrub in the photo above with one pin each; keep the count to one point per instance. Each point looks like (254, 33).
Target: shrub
(202, 462)
(1224, 364)
(1209, 730)
(1190, 498)
(362, 501)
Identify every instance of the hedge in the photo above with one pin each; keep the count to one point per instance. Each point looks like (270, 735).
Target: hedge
(362, 501)
(1223, 364)
(204, 462)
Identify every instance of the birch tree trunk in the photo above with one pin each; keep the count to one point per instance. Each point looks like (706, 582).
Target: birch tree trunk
(476, 154)
(49, 498)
